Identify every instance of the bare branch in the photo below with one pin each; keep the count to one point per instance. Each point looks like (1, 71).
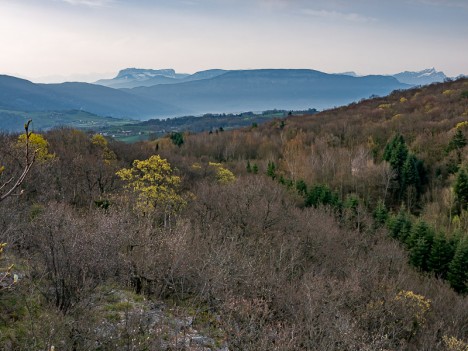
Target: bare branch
(29, 163)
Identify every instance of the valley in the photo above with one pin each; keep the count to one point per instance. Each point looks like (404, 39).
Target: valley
(278, 234)
(249, 175)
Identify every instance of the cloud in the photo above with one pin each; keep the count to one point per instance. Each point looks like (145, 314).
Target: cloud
(335, 15)
(90, 3)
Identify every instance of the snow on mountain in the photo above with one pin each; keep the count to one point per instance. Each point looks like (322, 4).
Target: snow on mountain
(143, 74)
(137, 77)
(426, 76)
(350, 73)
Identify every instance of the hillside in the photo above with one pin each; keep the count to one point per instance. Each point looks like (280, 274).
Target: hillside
(22, 95)
(13, 121)
(341, 230)
(156, 128)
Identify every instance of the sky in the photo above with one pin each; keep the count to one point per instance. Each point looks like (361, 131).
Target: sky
(56, 40)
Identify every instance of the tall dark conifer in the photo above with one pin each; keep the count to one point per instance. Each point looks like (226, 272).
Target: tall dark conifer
(441, 255)
(458, 269)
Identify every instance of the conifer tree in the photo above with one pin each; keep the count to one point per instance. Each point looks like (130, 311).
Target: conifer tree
(400, 226)
(420, 252)
(458, 269)
(249, 168)
(177, 138)
(271, 170)
(282, 180)
(301, 187)
(419, 242)
(420, 230)
(461, 190)
(441, 255)
(380, 213)
(410, 174)
(255, 169)
(457, 143)
(396, 153)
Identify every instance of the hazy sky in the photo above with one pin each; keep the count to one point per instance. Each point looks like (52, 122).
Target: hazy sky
(89, 39)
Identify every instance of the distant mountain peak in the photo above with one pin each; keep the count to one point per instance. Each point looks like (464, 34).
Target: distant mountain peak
(143, 74)
(349, 73)
(137, 77)
(426, 76)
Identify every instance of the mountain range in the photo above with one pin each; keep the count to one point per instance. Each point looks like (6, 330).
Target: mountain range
(207, 91)
(257, 90)
(138, 77)
(424, 77)
(147, 93)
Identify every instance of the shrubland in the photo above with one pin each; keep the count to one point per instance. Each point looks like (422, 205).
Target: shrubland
(344, 230)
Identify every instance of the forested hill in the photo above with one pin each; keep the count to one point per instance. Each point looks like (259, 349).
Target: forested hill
(403, 155)
(343, 230)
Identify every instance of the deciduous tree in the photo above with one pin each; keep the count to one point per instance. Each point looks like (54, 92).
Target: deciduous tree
(155, 184)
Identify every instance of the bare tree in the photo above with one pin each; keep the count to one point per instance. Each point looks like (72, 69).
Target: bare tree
(6, 189)
(9, 186)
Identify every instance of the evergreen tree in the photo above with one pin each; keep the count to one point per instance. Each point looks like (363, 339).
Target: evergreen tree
(351, 210)
(326, 196)
(389, 148)
(461, 190)
(322, 195)
(410, 173)
(351, 202)
(248, 167)
(457, 143)
(455, 238)
(458, 268)
(396, 153)
(400, 226)
(380, 213)
(420, 252)
(313, 196)
(301, 187)
(422, 174)
(409, 170)
(282, 180)
(441, 255)
(271, 170)
(420, 230)
(177, 138)
(255, 169)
